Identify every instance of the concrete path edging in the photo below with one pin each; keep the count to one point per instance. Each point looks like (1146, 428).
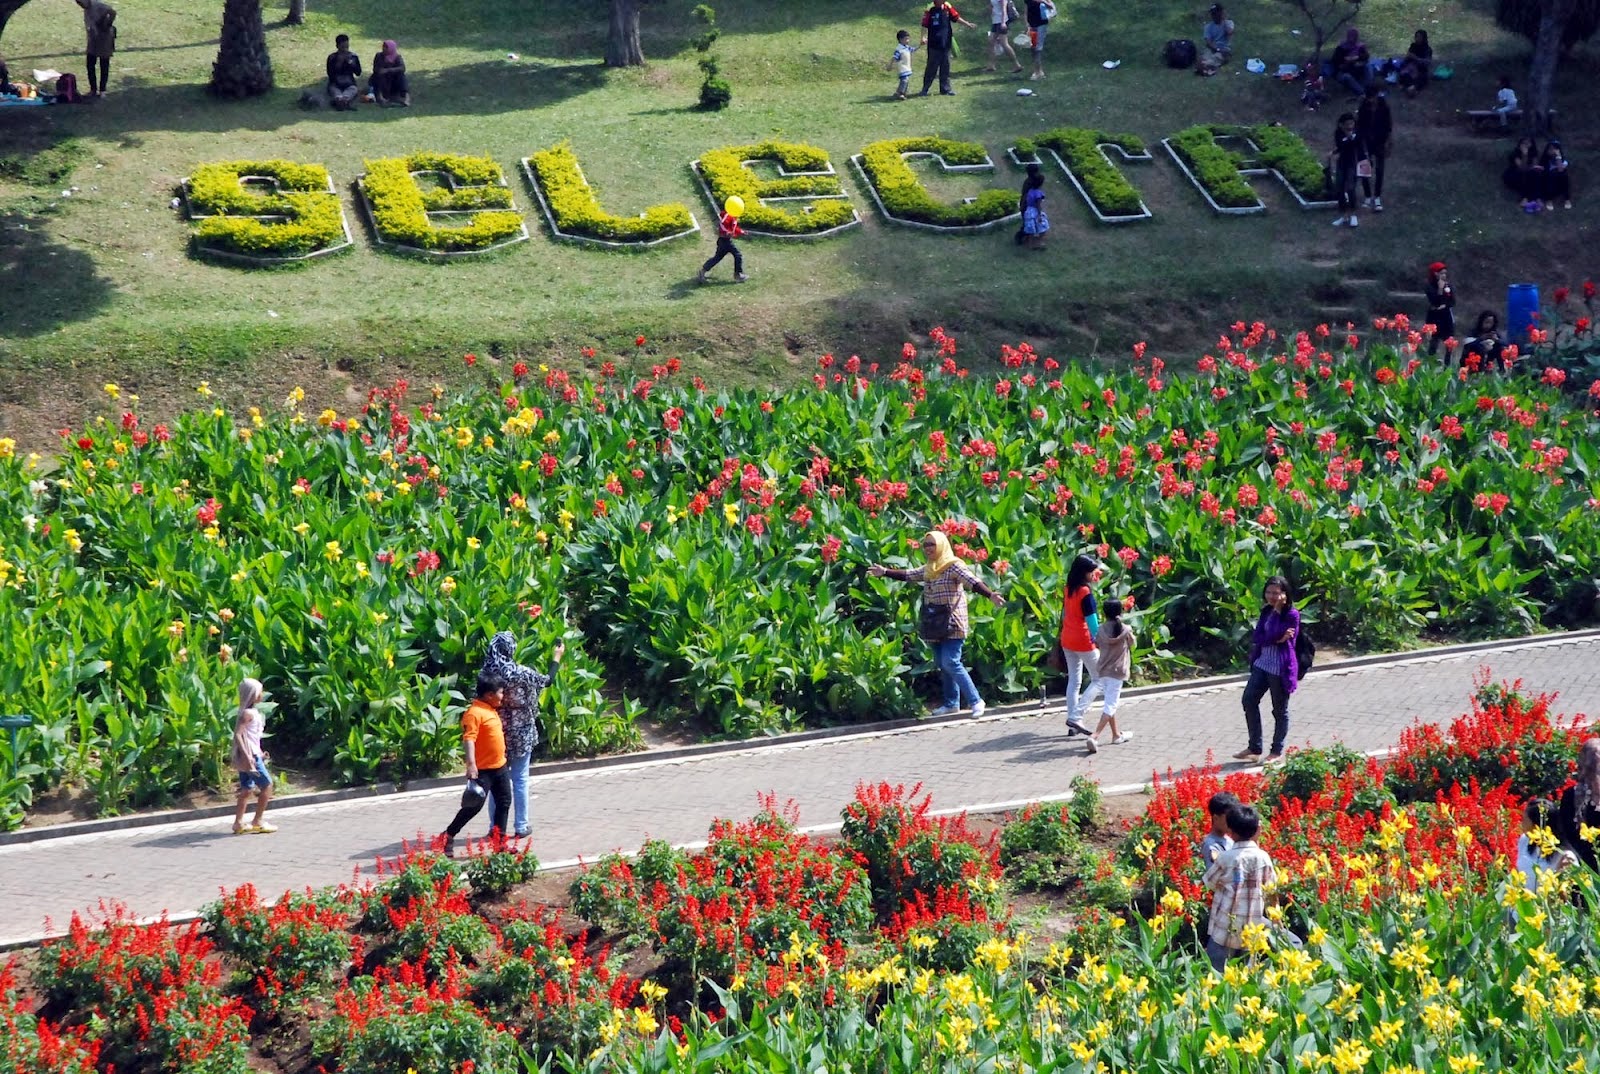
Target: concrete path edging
(678, 753)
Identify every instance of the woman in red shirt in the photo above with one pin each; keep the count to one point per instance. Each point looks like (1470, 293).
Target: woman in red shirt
(1079, 624)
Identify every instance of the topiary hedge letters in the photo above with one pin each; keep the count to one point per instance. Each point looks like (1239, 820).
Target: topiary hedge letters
(400, 209)
(297, 218)
(805, 174)
(903, 198)
(1219, 172)
(574, 212)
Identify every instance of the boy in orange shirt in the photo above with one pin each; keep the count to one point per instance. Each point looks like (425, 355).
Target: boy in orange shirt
(487, 771)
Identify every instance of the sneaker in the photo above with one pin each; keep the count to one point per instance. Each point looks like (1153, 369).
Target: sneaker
(262, 829)
(1341, 222)
(1248, 755)
(947, 93)
(1567, 205)
(739, 277)
(924, 93)
(978, 709)
(1091, 745)
(1123, 739)
(1366, 203)
(1036, 76)
(1353, 221)
(945, 710)
(899, 96)
(1377, 205)
(700, 277)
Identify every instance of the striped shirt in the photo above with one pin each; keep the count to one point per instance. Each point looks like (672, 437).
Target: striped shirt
(1239, 880)
(949, 589)
(1271, 659)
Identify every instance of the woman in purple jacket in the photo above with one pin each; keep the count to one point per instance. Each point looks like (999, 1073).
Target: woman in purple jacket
(1273, 669)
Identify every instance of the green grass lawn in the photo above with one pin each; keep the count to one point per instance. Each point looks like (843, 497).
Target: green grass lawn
(101, 284)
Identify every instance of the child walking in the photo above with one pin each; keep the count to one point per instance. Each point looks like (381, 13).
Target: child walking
(1035, 224)
(488, 775)
(1538, 849)
(728, 229)
(1238, 880)
(1113, 665)
(250, 761)
(900, 62)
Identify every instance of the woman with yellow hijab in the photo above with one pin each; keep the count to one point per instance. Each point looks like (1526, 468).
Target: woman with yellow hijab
(942, 621)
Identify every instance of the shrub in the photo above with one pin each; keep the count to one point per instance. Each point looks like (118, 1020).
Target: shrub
(439, 930)
(233, 216)
(1079, 149)
(577, 210)
(298, 945)
(610, 893)
(725, 174)
(1084, 805)
(415, 874)
(400, 207)
(904, 197)
(31, 1045)
(909, 855)
(1304, 772)
(499, 868)
(1042, 848)
(1284, 151)
(399, 1020)
(1216, 169)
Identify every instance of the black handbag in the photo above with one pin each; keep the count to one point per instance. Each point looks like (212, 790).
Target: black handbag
(936, 622)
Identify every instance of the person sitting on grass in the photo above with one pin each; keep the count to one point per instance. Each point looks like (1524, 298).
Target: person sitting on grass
(1484, 346)
(1524, 175)
(6, 87)
(1239, 881)
(250, 760)
(1218, 35)
(1352, 63)
(1417, 66)
(1216, 842)
(388, 83)
(1557, 184)
(488, 775)
(344, 73)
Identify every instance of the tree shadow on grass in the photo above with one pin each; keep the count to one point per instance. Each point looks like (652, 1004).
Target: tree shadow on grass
(44, 284)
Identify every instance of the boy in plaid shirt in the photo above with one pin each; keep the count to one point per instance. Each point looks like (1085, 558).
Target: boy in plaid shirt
(1238, 880)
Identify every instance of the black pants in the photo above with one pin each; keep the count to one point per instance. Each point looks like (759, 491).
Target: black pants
(938, 64)
(1374, 187)
(497, 781)
(1261, 683)
(1344, 184)
(105, 72)
(1444, 326)
(390, 85)
(725, 247)
(1557, 186)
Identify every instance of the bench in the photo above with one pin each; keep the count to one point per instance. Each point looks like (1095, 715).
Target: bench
(1483, 119)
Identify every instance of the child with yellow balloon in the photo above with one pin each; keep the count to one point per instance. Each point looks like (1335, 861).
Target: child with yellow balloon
(728, 229)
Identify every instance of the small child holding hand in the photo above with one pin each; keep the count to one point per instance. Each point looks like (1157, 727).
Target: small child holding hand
(901, 62)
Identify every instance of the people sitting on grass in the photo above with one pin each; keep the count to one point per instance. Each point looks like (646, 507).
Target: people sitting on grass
(1557, 181)
(1417, 66)
(1505, 101)
(1484, 346)
(344, 73)
(1352, 63)
(388, 84)
(1218, 36)
(1524, 175)
(7, 89)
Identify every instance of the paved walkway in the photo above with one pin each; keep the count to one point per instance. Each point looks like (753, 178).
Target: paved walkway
(1008, 757)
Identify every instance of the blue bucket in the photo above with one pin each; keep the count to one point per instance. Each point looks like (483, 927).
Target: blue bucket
(1522, 311)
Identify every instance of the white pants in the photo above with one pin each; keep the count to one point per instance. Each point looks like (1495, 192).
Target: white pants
(1110, 689)
(1079, 667)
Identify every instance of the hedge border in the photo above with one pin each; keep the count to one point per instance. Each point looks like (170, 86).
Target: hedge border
(855, 214)
(944, 229)
(1242, 132)
(532, 179)
(442, 255)
(235, 257)
(1129, 218)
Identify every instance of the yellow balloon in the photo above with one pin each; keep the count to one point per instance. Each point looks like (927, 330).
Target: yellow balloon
(734, 206)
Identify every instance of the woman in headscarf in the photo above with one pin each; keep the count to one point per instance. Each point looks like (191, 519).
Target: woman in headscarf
(519, 714)
(250, 760)
(1580, 807)
(388, 84)
(942, 621)
(1352, 63)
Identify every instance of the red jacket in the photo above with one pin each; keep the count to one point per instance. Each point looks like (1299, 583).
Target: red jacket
(729, 226)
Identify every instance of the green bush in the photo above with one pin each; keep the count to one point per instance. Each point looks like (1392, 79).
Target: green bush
(233, 215)
(1079, 148)
(904, 197)
(400, 206)
(577, 211)
(726, 175)
(1042, 849)
(1084, 805)
(1286, 152)
(389, 1025)
(1213, 167)
(1304, 773)
(499, 870)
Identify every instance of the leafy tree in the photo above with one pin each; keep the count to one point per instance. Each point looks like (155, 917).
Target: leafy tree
(243, 67)
(1326, 18)
(1523, 17)
(715, 93)
(1554, 26)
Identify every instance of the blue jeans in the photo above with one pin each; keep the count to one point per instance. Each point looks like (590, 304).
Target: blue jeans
(958, 685)
(1262, 683)
(519, 793)
(1351, 82)
(1219, 954)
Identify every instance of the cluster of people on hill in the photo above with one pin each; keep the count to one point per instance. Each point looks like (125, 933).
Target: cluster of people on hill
(386, 85)
(938, 42)
(1541, 179)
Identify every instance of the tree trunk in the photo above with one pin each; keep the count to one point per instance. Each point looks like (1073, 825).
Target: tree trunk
(1553, 16)
(243, 67)
(7, 9)
(622, 43)
(297, 13)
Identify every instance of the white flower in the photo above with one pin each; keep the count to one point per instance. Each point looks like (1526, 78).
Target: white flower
(37, 488)
(30, 522)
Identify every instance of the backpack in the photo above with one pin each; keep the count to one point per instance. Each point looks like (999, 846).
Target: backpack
(1305, 652)
(1180, 54)
(67, 89)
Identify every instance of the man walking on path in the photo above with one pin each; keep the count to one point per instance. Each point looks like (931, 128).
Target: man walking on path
(938, 36)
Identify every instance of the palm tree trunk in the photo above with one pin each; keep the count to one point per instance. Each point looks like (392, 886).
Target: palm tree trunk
(622, 43)
(243, 67)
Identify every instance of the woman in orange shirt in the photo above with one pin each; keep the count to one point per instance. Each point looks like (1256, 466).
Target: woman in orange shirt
(1080, 622)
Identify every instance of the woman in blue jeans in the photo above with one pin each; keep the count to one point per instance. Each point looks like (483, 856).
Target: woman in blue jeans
(942, 621)
(519, 714)
(1274, 669)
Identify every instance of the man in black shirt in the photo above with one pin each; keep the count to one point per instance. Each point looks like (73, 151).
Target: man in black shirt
(344, 73)
(938, 35)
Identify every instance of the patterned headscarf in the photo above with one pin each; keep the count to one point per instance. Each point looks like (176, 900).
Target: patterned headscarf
(942, 557)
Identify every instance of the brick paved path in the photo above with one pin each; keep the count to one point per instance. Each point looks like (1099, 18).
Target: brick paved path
(1012, 755)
